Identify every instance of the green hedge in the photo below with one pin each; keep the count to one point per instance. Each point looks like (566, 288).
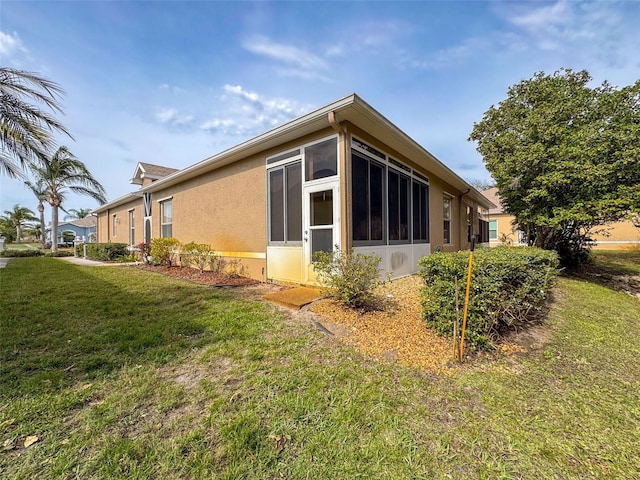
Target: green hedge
(20, 253)
(509, 288)
(105, 251)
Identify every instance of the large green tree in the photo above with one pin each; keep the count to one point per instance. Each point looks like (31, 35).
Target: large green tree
(565, 157)
(18, 217)
(26, 131)
(63, 173)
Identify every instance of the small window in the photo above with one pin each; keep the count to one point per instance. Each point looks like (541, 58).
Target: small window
(321, 159)
(446, 215)
(132, 228)
(166, 219)
(493, 229)
(114, 225)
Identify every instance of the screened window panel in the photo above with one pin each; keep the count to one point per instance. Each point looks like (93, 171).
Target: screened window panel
(276, 206)
(403, 202)
(360, 198)
(394, 207)
(420, 212)
(321, 240)
(376, 198)
(321, 159)
(294, 202)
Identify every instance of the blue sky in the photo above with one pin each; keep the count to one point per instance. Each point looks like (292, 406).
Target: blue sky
(172, 83)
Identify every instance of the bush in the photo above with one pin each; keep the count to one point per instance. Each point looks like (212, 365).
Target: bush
(143, 253)
(107, 252)
(21, 253)
(509, 288)
(59, 253)
(348, 277)
(197, 255)
(165, 251)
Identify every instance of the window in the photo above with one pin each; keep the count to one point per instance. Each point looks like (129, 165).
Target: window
(285, 203)
(132, 230)
(493, 229)
(166, 218)
(114, 225)
(321, 159)
(367, 195)
(398, 207)
(388, 206)
(446, 216)
(420, 212)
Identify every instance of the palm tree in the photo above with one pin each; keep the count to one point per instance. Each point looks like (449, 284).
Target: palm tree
(25, 130)
(61, 173)
(18, 216)
(81, 213)
(39, 189)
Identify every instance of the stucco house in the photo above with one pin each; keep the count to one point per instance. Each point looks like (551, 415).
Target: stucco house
(341, 175)
(82, 229)
(614, 236)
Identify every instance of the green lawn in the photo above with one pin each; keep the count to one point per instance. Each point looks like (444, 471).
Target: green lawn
(122, 373)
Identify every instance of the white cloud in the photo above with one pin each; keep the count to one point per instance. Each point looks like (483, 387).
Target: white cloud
(170, 117)
(297, 61)
(247, 113)
(11, 46)
(593, 29)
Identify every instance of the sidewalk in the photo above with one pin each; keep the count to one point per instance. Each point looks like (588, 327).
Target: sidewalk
(85, 262)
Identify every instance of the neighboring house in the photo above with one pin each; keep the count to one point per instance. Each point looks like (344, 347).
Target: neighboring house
(342, 175)
(79, 229)
(614, 236)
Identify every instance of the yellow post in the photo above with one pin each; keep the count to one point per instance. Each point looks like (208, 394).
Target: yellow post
(466, 298)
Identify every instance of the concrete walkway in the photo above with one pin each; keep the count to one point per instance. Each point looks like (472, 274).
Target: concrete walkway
(3, 262)
(85, 262)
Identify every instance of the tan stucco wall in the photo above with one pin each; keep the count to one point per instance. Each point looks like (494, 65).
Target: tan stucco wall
(504, 228)
(621, 235)
(105, 223)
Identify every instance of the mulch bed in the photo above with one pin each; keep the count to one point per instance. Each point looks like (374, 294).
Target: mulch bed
(395, 331)
(194, 275)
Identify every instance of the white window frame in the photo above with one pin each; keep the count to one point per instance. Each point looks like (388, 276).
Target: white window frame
(447, 198)
(163, 202)
(132, 226)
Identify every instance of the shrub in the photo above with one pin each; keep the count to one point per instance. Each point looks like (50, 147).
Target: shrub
(21, 253)
(107, 252)
(348, 277)
(234, 268)
(165, 251)
(509, 288)
(143, 252)
(197, 255)
(217, 264)
(59, 253)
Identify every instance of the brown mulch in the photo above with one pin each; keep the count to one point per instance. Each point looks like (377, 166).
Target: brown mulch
(395, 331)
(194, 275)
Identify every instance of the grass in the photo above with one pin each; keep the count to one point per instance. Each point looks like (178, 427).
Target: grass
(127, 374)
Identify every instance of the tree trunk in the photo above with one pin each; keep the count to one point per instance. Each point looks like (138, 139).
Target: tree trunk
(18, 231)
(54, 228)
(43, 237)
